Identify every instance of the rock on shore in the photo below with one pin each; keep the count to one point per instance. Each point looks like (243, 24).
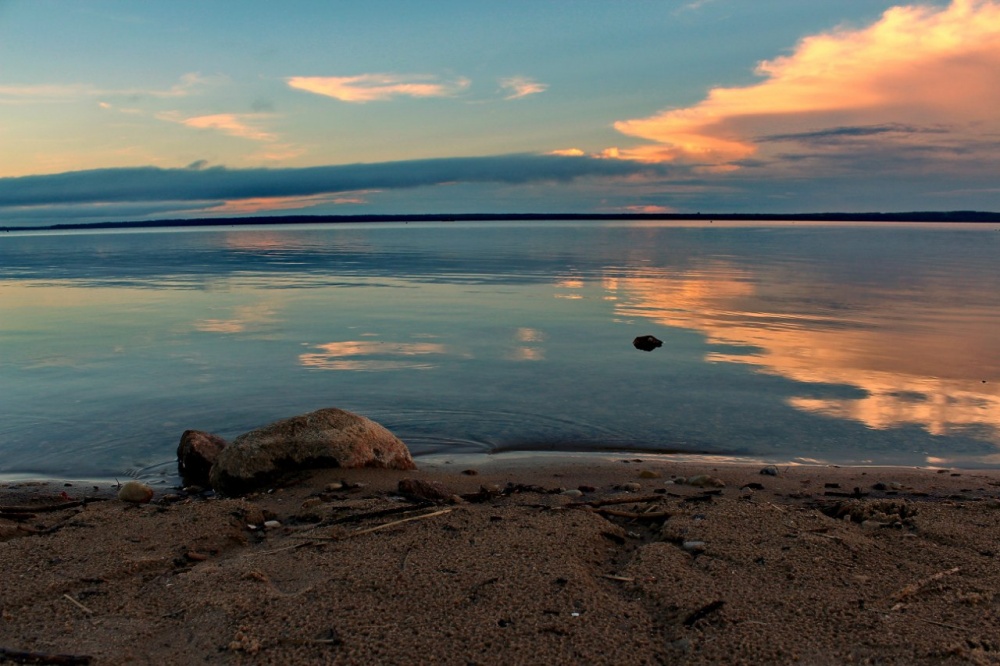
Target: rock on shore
(196, 453)
(324, 438)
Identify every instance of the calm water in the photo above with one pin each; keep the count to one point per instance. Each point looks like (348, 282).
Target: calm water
(782, 342)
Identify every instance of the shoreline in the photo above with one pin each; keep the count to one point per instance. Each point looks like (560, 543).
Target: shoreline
(818, 565)
(511, 460)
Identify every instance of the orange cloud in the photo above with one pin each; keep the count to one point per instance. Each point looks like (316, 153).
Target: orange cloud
(520, 86)
(377, 87)
(233, 124)
(258, 204)
(650, 208)
(920, 75)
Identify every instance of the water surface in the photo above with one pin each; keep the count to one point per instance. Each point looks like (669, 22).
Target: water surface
(837, 343)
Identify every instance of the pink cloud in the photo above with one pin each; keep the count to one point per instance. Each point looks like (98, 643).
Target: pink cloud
(521, 86)
(242, 125)
(261, 204)
(377, 87)
(921, 76)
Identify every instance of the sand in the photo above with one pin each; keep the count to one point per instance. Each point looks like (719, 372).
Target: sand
(799, 569)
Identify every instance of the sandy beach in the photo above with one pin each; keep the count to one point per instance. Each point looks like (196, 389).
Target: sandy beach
(817, 565)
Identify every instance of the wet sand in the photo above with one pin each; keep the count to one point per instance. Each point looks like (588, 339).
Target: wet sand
(817, 565)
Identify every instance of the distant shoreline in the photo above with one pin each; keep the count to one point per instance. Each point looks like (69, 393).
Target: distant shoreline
(959, 216)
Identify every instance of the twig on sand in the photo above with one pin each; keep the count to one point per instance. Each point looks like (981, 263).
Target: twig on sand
(78, 605)
(304, 544)
(619, 500)
(396, 522)
(913, 588)
(634, 516)
(29, 657)
(941, 624)
(358, 517)
(365, 530)
(48, 508)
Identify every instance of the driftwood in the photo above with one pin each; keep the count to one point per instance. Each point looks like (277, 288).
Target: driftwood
(49, 508)
(28, 657)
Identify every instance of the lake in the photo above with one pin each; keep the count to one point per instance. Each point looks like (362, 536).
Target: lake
(783, 342)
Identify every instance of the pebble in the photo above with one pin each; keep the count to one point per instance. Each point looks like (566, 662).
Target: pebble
(272, 524)
(335, 486)
(311, 502)
(770, 470)
(135, 492)
(649, 474)
(572, 492)
(631, 487)
(705, 481)
(693, 546)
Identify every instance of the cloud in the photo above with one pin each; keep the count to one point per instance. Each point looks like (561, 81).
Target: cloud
(378, 87)
(67, 92)
(520, 86)
(197, 183)
(234, 124)
(258, 204)
(920, 75)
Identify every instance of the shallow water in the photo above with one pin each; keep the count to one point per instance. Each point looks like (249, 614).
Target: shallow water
(834, 343)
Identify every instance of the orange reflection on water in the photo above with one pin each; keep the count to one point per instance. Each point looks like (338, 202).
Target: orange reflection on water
(528, 345)
(345, 355)
(917, 357)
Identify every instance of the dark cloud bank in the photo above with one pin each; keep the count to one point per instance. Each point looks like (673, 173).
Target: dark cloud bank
(144, 184)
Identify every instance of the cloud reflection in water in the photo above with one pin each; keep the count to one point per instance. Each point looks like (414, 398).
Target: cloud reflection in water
(367, 355)
(915, 354)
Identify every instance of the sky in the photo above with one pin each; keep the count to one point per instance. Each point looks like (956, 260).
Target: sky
(119, 110)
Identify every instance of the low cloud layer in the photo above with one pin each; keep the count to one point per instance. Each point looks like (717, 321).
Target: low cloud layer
(197, 183)
(922, 79)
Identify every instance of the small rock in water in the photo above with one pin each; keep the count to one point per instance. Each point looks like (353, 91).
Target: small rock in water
(705, 481)
(649, 474)
(770, 470)
(135, 492)
(646, 343)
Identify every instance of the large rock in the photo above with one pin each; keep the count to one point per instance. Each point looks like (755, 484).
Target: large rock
(196, 453)
(324, 438)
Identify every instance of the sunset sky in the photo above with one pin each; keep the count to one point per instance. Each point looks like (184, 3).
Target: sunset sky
(122, 110)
